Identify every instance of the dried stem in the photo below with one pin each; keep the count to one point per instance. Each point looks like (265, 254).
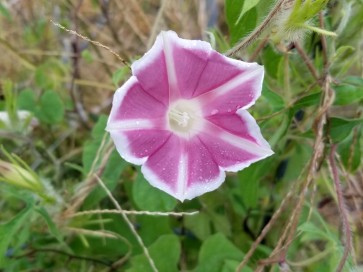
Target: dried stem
(75, 95)
(342, 209)
(265, 230)
(324, 44)
(307, 61)
(156, 26)
(258, 49)
(314, 163)
(107, 211)
(313, 167)
(257, 32)
(88, 184)
(127, 220)
(91, 41)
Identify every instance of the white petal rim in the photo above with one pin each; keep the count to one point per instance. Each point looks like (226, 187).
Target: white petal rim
(191, 192)
(122, 146)
(118, 97)
(253, 128)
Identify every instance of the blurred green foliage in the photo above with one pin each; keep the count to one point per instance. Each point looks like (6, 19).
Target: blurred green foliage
(55, 97)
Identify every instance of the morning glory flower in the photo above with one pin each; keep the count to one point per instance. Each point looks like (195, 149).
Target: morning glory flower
(182, 116)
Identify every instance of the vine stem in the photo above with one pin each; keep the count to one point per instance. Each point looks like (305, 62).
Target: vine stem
(257, 32)
(342, 209)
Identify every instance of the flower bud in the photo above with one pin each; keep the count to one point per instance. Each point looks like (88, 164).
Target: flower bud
(294, 20)
(16, 175)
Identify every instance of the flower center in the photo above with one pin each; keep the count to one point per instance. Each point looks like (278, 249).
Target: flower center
(183, 116)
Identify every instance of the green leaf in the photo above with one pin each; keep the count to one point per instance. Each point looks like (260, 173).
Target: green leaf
(5, 12)
(300, 153)
(149, 198)
(249, 183)
(310, 232)
(87, 56)
(341, 128)
(111, 176)
(152, 227)
(114, 166)
(347, 94)
(165, 253)
(51, 108)
(239, 28)
(10, 229)
(199, 224)
(271, 60)
(231, 265)
(247, 5)
(215, 251)
(275, 100)
(51, 225)
(120, 75)
(350, 151)
(342, 53)
(307, 101)
(27, 100)
(354, 80)
(213, 204)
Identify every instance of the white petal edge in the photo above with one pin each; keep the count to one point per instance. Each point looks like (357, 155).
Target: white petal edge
(122, 146)
(182, 194)
(150, 56)
(118, 97)
(200, 189)
(253, 128)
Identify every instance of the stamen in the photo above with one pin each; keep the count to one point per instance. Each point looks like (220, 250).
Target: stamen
(182, 118)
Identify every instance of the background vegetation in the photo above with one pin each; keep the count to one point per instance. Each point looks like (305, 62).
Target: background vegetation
(300, 209)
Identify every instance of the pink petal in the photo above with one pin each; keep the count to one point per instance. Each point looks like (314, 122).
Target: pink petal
(132, 102)
(183, 168)
(151, 72)
(230, 151)
(189, 60)
(136, 145)
(240, 92)
(241, 124)
(220, 70)
(204, 174)
(164, 168)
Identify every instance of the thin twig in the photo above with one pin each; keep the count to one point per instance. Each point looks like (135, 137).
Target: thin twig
(131, 226)
(75, 94)
(258, 49)
(314, 163)
(155, 28)
(307, 61)
(89, 184)
(313, 166)
(107, 211)
(342, 209)
(265, 230)
(91, 41)
(324, 44)
(257, 32)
